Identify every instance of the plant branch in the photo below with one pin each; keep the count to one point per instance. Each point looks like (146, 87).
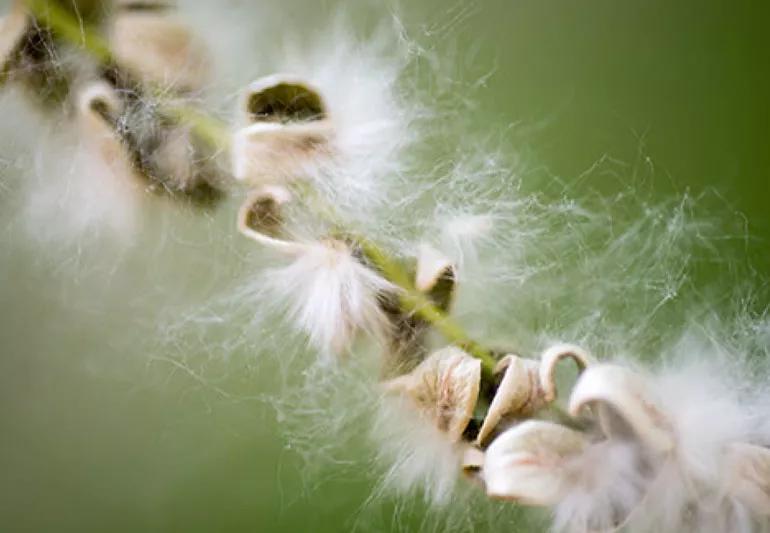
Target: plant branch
(216, 133)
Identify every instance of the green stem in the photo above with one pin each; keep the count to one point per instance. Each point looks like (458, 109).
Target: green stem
(214, 132)
(64, 24)
(416, 302)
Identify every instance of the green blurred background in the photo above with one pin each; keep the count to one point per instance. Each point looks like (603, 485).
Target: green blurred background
(94, 436)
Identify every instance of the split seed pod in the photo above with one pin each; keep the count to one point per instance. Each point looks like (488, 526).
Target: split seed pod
(624, 405)
(287, 131)
(518, 396)
(261, 211)
(527, 463)
(332, 295)
(527, 385)
(444, 388)
(155, 48)
(99, 109)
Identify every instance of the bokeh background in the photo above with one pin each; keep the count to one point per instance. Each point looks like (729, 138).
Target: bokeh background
(102, 429)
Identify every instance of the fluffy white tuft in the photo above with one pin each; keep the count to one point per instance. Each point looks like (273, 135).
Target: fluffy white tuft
(618, 482)
(331, 295)
(418, 458)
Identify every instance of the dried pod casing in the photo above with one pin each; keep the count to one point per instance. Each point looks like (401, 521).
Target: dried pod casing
(625, 406)
(444, 387)
(519, 394)
(98, 111)
(287, 130)
(157, 49)
(527, 463)
(262, 209)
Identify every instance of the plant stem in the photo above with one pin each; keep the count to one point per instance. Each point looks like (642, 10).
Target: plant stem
(216, 133)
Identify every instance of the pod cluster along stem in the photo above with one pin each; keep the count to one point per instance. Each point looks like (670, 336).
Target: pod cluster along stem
(216, 134)
(617, 454)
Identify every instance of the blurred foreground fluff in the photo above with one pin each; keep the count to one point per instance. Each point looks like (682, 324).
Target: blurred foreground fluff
(325, 153)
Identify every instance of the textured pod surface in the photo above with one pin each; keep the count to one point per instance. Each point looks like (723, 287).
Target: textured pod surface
(158, 50)
(286, 130)
(624, 402)
(444, 387)
(527, 462)
(519, 394)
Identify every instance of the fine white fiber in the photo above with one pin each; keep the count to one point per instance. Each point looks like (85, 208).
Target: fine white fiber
(703, 396)
(330, 296)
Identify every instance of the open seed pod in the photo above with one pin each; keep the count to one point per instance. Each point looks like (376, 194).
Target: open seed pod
(625, 406)
(747, 470)
(527, 463)
(261, 211)
(260, 219)
(98, 111)
(526, 386)
(553, 356)
(161, 153)
(444, 388)
(287, 131)
(155, 48)
(518, 396)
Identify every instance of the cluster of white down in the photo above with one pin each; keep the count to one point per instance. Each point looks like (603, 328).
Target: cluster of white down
(86, 184)
(681, 449)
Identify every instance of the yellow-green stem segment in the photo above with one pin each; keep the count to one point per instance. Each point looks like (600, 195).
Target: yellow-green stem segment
(214, 132)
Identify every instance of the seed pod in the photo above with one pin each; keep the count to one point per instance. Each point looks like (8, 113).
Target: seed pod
(625, 406)
(551, 357)
(518, 396)
(527, 462)
(155, 48)
(99, 109)
(444, 388)
(287, 131)
(261, 211)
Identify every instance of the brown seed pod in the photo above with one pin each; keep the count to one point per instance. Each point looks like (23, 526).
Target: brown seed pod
(444, 388)
(155, 48)
(287, 131)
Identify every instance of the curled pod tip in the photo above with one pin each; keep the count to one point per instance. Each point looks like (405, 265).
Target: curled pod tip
(286, 131)
(624, 401)
(553, 356)
(518, 395)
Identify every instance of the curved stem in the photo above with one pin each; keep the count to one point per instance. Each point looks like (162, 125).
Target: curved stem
(214, 132)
